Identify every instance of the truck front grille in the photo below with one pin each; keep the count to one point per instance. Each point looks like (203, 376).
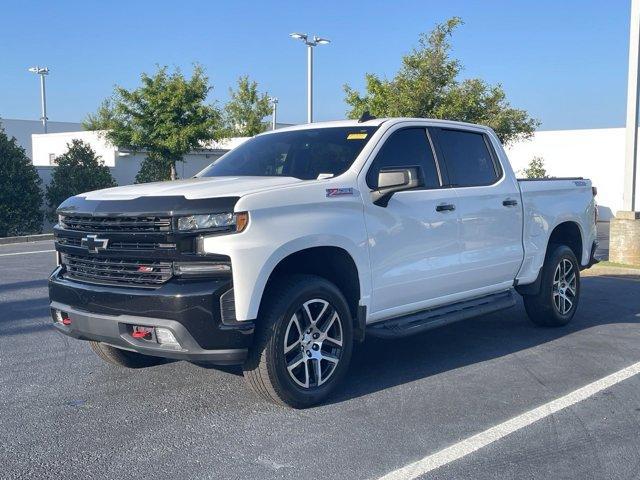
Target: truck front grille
(115, 224)
(116, 271)
(119, 245)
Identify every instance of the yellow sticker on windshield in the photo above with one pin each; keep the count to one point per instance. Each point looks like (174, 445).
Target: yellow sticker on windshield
(356, 136)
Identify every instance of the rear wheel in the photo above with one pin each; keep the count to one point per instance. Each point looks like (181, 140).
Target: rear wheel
(556, 302)
(123, 358)
(303, 342)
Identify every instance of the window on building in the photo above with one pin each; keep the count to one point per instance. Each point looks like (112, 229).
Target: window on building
(52, 159)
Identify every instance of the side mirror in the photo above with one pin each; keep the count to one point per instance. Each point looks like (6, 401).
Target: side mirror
(392, 180)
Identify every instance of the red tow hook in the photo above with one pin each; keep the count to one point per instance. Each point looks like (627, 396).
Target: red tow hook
(143, 333)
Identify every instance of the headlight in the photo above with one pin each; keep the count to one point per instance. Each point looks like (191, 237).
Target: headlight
(214, 221)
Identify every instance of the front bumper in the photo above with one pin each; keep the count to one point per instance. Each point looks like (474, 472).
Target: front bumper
(189, 308)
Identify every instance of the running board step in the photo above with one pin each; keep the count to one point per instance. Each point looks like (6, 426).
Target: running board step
(444, 315)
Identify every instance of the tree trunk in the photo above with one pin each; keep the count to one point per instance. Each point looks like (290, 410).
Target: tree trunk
(173, 170)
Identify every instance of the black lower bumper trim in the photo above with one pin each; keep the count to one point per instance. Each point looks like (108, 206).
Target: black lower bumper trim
(189, 306)
(115, 331)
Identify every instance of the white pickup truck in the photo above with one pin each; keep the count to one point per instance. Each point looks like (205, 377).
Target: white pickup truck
(300, 242)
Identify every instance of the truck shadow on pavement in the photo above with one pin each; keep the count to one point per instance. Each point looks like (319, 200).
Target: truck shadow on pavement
(27, 284)
(20, 317)
(380, 364)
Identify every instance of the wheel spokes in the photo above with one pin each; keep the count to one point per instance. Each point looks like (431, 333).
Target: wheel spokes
(330, 358)
(327, 335)
(310, 361)
(314, 319)
(565, 286)
(297, 360)
(317, 371)
(568, 267)
(566, 300)
(293, 322)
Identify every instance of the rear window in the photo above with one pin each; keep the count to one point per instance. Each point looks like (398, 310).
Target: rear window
(469, 161)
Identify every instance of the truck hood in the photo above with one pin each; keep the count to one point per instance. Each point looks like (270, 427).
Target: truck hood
(193, 188)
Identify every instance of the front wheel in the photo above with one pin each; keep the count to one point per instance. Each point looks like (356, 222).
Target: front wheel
(123, 358)
(303, 342)
(556, 302)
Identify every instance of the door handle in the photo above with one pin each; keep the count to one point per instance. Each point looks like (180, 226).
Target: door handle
(509, 203)
(445, 207)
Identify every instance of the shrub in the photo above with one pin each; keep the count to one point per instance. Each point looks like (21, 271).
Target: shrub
(153, 169)
(20, 194)
(77, 171)
(536, 169)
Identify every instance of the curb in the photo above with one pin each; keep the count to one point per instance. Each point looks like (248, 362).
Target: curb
(607, 270)
(26, 239)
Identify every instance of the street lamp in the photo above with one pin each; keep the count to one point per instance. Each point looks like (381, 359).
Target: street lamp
(310, 42)
(42, 71)
(274, 105)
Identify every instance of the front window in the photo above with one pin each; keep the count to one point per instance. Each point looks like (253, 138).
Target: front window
(305, 154)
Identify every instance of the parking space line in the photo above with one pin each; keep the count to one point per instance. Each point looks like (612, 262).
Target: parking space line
(476, 442)
(25, 253)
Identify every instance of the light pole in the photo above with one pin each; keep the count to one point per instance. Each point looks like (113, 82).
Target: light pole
(310, 42)
(42, 71)
(274, 115)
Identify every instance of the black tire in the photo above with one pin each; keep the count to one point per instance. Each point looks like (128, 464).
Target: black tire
(543, 308)
(124, 358)
(265, 370)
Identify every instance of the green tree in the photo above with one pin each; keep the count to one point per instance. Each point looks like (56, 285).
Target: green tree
(246, 109)
(428, 85)
(20, 194)
(153, 169)
(77, 171)
(166, 116)
(535, 169)
(102, 119)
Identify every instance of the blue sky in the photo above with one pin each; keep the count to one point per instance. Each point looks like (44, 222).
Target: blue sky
(564, 61)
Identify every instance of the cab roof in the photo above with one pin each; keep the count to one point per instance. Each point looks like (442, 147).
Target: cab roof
(376, 122)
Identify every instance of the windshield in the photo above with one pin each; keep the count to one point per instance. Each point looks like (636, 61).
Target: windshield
(305, 154)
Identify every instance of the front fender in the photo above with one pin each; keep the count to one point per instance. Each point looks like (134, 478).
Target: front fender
(274, 234)
(358, 254)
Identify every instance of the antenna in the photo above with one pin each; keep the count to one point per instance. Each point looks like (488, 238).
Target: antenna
(365, 117)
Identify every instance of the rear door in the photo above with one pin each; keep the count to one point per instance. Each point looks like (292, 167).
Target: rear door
(413, 241)
(488, 207)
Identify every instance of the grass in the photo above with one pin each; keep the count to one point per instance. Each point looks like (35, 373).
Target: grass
(606, 263)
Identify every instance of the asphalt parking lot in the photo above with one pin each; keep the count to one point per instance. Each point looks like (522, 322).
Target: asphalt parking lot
(64, 414)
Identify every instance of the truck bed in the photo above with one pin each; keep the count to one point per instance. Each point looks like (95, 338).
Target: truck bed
(549, 202)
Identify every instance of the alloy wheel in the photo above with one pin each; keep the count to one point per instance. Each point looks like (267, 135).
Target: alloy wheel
(564, 286)
(313, 343)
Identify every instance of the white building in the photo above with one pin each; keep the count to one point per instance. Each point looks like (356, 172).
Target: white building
(47, 146)
(124, 164)
(597, 154)
(23, 129)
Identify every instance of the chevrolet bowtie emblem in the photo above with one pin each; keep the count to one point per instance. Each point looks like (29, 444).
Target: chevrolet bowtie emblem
(94, 244)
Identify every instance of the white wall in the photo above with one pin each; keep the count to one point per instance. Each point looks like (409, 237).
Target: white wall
(56, 143)
(23, 129)
(597, 154)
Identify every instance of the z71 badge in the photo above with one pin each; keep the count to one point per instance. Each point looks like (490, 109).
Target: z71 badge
(339, 192)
